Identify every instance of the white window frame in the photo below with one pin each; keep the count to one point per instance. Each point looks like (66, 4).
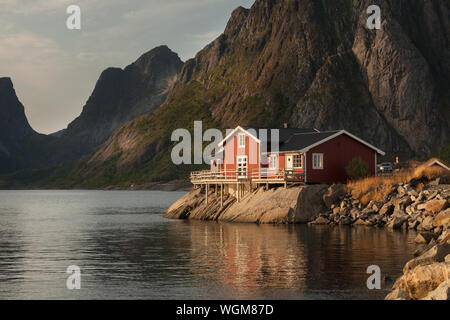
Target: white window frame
(239, 174)
(317, 161)
(241, 144)
(273, 165)
(301, 161)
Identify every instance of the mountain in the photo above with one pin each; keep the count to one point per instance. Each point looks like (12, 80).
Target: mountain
(19, 143)
(307, 63)
(120, 95)
(304, 62)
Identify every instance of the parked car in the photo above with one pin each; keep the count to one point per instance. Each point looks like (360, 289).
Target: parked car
(386, 167)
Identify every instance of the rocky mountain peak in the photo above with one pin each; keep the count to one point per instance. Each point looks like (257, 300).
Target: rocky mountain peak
(157, 59)
(119, 96)
(236, 21)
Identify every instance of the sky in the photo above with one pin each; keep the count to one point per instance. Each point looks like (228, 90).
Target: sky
(54, 69)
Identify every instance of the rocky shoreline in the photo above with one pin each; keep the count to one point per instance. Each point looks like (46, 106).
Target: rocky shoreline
(427, 275)
(406, 207)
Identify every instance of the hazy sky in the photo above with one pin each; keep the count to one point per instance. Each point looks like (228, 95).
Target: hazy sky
(54, 69)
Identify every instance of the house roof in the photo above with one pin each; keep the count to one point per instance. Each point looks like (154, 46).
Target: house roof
(298, 139)
(304, 142)
(284, 133)
(437, 161)
(255, 132)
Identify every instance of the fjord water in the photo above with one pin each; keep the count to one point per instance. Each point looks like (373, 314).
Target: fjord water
(127, 250)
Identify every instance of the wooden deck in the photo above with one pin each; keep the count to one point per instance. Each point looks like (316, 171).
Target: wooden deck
(258, 176)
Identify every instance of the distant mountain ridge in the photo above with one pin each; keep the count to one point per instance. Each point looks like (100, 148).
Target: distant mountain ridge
(120, 95)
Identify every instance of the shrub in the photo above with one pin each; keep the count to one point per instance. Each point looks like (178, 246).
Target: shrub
(357, 169)
(377, 188)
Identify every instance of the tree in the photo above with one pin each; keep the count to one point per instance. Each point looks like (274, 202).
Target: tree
(357, 169)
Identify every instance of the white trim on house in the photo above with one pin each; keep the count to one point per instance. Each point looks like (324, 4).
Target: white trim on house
(320, 164)
(301, 161)
(234, 131)
(240, 135)
(306, 167)
(376, 164)
(438, 163)
(276, 166)
(239, 174)
(337, 135)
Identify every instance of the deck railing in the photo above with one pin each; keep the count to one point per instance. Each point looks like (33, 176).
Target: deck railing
(261, 175)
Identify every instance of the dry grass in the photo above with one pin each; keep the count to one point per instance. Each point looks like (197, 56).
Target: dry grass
(377, 188)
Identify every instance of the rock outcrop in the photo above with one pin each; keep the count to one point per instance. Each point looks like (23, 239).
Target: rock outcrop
(274, 206)
(425, 277)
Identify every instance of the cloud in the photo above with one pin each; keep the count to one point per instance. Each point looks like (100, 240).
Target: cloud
(28, 54)
(33, 7)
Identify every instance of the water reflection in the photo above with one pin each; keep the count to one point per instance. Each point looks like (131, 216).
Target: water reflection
(295, 262)
(254, 261)
(125, 249)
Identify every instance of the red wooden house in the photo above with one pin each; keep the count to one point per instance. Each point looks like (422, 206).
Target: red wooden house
(300, 156)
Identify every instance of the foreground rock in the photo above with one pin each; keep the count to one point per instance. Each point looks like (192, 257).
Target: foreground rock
(275, 206)
(425, 277)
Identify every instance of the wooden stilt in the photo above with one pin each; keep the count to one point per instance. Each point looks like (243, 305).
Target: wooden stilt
(221, 195)
(238, 191)
(207, 191)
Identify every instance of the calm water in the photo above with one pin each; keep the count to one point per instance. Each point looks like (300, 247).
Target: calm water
(126, 250)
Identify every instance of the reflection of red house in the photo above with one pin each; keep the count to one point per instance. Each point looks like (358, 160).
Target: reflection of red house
(301, 156)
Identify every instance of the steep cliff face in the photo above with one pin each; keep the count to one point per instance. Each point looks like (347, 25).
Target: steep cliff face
(406, 69)
(315, 64)
(18, 140)
(310, 64)
(120, 95)
(14, 125)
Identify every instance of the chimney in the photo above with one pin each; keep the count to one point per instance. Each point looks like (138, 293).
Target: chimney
(285, 125)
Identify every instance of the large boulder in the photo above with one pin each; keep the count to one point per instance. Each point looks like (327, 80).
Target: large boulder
(275, 206)
(334, 194)
(427, 224)
(445, 236)
(320, 221)
(435, 254)
(278, 206)
(425, 237)
(398, 219)
(442, 218)
(436, 206)
(424, 279)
